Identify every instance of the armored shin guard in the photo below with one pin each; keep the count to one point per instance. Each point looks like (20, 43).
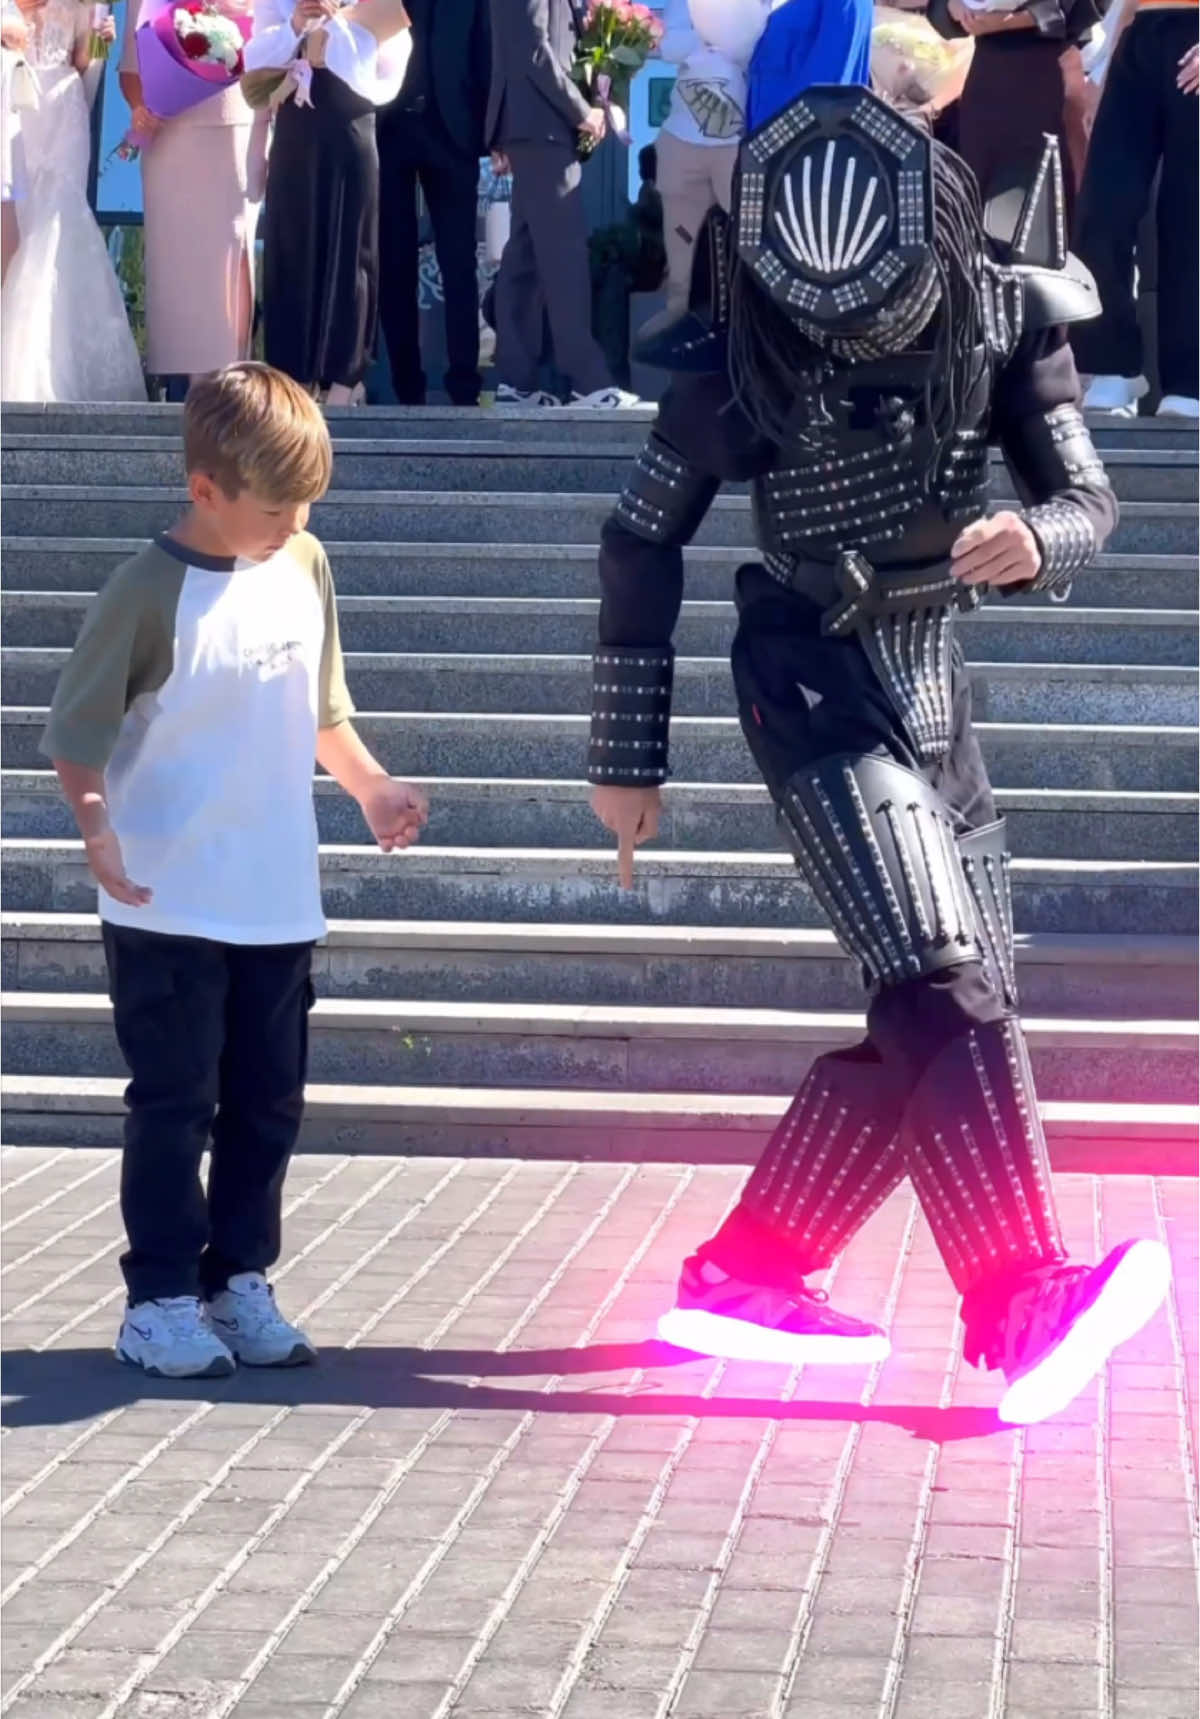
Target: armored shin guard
(832, 1161)
(975, 1150)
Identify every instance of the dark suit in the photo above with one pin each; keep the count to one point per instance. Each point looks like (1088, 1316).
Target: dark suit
(534, 114)
(433, 135)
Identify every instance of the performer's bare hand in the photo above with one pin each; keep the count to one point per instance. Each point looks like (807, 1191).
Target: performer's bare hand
(632, 815)
(108, 868)
(997, 551)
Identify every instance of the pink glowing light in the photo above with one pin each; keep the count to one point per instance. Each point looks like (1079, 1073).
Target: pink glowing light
(740, 1340)
(1130, 1298)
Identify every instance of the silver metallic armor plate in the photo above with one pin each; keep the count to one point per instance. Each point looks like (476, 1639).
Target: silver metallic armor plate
(665, 498)
(877, 845)
(631, 711)
(986, 862)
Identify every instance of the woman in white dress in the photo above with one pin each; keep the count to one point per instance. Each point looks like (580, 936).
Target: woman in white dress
(66, 335)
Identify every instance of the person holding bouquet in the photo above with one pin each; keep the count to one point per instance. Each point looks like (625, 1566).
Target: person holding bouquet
(14, 39)
(66, 333)
(199, 241)
(324, 70)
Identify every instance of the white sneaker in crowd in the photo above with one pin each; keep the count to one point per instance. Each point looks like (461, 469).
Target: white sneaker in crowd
(1178, 406)
(506, 396)
(172, 1339)
(606, 400)
(1117, 395)
(245, 1317)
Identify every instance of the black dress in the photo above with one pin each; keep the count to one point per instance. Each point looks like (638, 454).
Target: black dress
(321, 237)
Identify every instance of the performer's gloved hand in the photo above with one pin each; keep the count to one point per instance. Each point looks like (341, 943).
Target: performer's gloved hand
(632, 815)
(997, 551)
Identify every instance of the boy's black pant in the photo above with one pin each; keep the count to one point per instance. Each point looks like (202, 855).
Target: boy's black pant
(1144, 119)
(216, 1039)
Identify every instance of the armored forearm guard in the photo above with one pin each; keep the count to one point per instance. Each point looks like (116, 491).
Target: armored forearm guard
(665, 498)
(1055, 457)
(1067, 540)
(631, 713)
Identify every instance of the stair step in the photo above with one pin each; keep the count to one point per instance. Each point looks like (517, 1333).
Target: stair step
(494, 463)
(492, 629)
(713, 749)
(579, 886)
(1086, 975)
(719, 817)
(408, 1043)
(1003, 691)
(1146, 528)
(694, 1128)
(63, 567)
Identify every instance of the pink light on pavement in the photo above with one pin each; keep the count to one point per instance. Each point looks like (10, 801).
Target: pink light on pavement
(740, 1340)
(1130, 1298)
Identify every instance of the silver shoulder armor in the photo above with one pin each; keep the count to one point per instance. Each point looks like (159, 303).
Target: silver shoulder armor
(1032, 280)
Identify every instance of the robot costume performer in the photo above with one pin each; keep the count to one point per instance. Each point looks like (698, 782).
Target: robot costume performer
(860, 333)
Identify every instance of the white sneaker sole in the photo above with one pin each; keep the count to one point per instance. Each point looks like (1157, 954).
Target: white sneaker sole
(220, 1367)
(739, 1340)
(1130, 1299)
(299, 1355)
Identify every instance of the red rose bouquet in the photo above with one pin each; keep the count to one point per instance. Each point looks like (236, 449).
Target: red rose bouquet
(618, 38)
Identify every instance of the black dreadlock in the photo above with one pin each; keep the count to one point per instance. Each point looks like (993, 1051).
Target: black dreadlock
(772, 360)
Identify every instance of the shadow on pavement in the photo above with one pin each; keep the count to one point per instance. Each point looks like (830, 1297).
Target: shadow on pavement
(55, 1386)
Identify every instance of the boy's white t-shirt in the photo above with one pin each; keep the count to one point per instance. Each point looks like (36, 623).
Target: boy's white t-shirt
(198, 686)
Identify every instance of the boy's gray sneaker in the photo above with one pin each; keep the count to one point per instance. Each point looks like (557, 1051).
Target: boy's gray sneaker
(245, 1316)
(172, 1339)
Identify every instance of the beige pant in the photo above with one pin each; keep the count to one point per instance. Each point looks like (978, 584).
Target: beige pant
(691, 178)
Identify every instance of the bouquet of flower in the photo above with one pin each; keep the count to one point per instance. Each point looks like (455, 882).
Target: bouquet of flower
(98, 45)
(910, 63)
(618, 38)
(187, 52)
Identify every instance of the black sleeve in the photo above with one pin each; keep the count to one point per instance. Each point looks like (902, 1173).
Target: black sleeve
(938, 13)
(1068, 502)
(699, 441)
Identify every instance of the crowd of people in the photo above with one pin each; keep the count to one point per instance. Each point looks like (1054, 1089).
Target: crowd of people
(384, 104)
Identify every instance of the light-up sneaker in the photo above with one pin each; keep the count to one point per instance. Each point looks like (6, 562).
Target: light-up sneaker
(716, 1314)
(1060, 1329)
(172, 1339)
(245, 1316)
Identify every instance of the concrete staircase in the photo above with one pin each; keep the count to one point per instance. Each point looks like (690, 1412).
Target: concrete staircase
(492, 990)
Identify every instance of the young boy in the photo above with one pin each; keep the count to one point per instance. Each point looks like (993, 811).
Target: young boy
(206, 678)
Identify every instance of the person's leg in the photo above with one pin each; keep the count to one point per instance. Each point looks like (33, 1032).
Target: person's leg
(1178, 219)
(722, 160)
(1123, 157)
(553, 210)
(260, 1106)
(451, 192)
(517, 299)
(684, 186)
(399, 313)
(168, 996)
(10, 235)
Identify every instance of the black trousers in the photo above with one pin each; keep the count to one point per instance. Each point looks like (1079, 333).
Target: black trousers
(545, 273)
(1145, 122)
(450, 186)
(215, 1036)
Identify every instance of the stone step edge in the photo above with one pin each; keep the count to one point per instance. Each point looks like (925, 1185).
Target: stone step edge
(457, 788)
(612, 1021)
(442, 551)
(1128, 733)
(484, 448)
(665, 861)
(1146, 1139)
(1074, 949)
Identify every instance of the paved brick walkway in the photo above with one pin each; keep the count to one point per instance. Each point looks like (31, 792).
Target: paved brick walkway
(494, 1500)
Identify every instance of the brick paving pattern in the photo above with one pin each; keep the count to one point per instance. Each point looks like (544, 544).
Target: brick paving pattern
(493, 1499)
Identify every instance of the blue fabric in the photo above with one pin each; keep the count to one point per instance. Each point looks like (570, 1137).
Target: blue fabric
(808, 42)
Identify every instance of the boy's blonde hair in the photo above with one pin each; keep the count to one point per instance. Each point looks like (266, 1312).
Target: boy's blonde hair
(251, 427)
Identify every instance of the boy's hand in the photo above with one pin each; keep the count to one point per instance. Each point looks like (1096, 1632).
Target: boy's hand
(395, 812)
(108, 868)
(632, 815)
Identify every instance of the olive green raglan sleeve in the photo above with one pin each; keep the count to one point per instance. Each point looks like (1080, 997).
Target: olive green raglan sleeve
(125, 648)
(334, 703)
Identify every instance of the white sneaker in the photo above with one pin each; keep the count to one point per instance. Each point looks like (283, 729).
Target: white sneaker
(1178, 406)
(606, 400)
(506, 396)
(172, 1339)
(1116, 395)
(245, 1315)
